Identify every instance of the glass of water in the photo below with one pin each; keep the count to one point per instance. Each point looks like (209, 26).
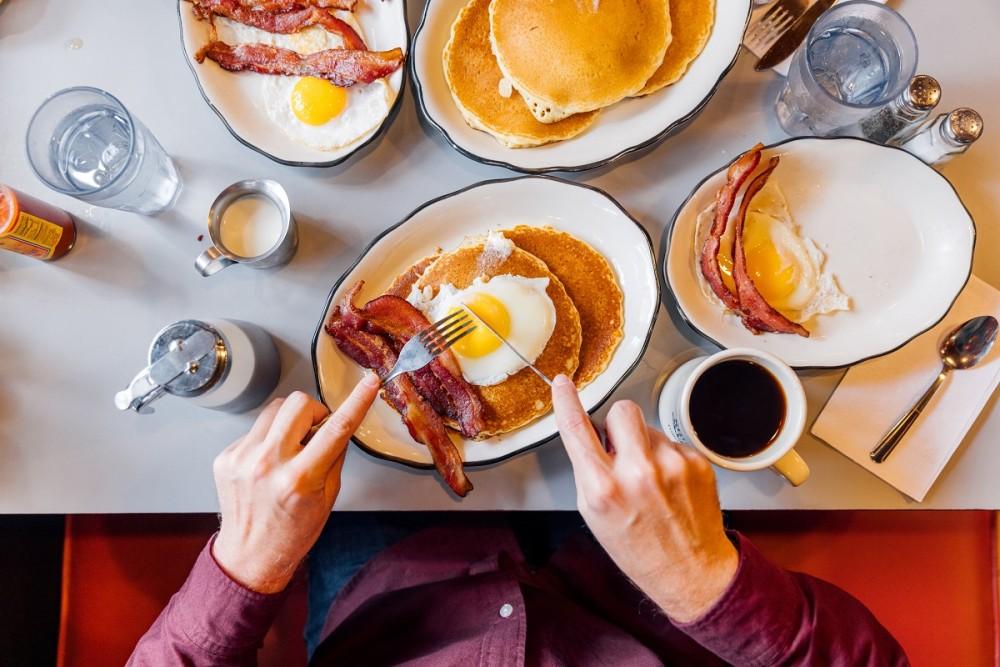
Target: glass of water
(84, 143)
(857, 57)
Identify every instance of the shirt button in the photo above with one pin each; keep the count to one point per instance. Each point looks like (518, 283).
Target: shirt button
(506, 610)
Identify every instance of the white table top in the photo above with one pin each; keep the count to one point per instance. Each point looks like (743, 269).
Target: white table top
(74, 332)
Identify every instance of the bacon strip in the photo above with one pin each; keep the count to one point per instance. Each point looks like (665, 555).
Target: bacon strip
(280, 22)
(738, 172)
(286, 5)
(342, 67)
(758, 315)
(373, 351)
(440, 382)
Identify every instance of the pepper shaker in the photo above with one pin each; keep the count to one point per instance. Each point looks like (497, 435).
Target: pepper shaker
(950, 134)
(226, 365)
(902, 116)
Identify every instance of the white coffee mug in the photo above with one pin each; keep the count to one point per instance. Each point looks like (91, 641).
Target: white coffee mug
(675, 414)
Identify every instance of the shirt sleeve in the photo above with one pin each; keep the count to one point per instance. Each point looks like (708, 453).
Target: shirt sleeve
(211, 620)
(769, 616)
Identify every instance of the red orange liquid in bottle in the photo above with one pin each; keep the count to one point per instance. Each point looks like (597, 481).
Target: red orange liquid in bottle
(31, 227)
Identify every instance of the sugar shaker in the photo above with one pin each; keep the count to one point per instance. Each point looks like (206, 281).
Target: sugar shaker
(950, 134)
(226, 365)
(899, 118)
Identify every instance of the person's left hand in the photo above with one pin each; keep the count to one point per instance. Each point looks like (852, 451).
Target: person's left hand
(275, 494)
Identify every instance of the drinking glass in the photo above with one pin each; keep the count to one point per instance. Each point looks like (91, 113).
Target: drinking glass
(84, 143)
(856, 58)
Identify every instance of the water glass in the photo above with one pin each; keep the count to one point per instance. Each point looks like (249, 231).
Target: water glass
(84, 143)
(856, 58)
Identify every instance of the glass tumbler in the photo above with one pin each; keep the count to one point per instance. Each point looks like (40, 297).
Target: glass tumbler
(84, 143)
(856, 58)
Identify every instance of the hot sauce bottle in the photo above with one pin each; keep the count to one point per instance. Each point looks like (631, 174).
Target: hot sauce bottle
(31, 227)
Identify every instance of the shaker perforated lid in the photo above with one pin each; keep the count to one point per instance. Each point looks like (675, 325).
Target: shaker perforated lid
(964, 125)
(187, 358)
(923, 93)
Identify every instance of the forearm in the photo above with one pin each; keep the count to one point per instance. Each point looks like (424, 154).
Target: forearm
(769, 616)
(211, 620)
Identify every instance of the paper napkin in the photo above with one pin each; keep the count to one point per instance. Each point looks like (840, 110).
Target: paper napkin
(782, 67)
(873, 395)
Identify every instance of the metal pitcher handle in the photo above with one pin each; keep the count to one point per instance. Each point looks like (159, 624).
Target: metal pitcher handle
(211, 262)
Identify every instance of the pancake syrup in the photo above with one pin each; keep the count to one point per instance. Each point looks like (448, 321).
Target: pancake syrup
(737, 408)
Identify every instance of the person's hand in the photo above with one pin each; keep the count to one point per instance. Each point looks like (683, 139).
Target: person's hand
(275, 494)
(652, 505)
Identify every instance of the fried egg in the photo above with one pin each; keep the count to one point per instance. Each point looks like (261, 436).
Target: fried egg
(518, 308)
(310, 110)
(787, 269)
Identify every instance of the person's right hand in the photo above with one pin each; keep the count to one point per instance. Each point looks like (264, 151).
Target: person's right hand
(652, 505)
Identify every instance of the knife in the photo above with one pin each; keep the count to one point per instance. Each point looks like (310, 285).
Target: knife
(792, 38)
(509, 346)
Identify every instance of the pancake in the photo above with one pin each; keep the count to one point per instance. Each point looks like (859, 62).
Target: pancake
(522, 397)
(590, 283)
(474, 80)
(691, 25)
(572, 56)
(402, 284)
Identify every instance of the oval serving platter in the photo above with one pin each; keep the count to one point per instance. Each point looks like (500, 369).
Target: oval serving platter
(233, 95)
(895, 233)
(581, 210)
(621, 129)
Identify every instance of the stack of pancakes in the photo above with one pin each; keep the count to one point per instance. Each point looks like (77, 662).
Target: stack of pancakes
(530, 72)
(589, 313)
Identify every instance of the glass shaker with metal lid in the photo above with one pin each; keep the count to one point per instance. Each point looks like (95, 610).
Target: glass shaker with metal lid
(950, 134)
(901, 116)
(226, 365)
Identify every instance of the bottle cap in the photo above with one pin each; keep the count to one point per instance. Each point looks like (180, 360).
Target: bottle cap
(964, 125)
(923, 93)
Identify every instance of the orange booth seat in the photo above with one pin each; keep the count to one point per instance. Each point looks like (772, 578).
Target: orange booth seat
(930, 577)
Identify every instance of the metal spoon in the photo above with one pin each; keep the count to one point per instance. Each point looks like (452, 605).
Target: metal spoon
(963, 348)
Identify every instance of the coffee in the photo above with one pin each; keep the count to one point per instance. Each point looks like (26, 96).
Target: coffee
(737, 408)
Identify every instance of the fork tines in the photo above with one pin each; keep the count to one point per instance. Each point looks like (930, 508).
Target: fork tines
(769, 28)
(447, 331)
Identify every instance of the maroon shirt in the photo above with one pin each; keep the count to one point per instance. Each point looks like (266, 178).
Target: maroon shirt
(465, 597)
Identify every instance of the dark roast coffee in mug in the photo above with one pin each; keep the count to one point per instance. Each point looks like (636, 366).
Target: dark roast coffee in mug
(737, 408)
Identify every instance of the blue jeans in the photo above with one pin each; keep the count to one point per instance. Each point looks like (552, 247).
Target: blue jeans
(351, 539)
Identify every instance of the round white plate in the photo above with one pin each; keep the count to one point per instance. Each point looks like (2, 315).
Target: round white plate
(232, 95)
(586, 212)
(625, 127)
(895, 234)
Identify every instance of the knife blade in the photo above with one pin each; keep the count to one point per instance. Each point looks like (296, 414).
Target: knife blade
(509, 346)
(792, 38)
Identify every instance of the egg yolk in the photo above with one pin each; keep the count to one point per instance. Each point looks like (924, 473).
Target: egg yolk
(772, 275)
(317, 101)
(481, 341)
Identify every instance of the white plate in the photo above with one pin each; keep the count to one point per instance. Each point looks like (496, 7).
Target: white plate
(895, 234)
(586, 212)
(230, 94)
(625, 127)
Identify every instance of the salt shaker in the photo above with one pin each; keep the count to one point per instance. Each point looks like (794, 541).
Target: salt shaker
(226, 365)
(950, 134)
(898, 119)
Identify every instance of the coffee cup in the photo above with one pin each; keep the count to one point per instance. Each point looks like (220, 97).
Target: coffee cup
(743, 409)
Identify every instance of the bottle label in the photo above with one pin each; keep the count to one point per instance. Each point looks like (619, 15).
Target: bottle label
(32, 236)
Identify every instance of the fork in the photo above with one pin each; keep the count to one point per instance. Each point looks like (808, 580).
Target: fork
(421, 350)
(774, 22)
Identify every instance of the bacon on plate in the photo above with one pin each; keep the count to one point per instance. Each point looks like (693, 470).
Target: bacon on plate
(286, 5)
(283, 22)
(738, 172)
(758, 315)
(342, 67)
(348, 327)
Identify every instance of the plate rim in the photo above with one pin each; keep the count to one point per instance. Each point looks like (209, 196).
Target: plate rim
(669, 236)
(538, 443)
(539, 171)
(377, 135)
